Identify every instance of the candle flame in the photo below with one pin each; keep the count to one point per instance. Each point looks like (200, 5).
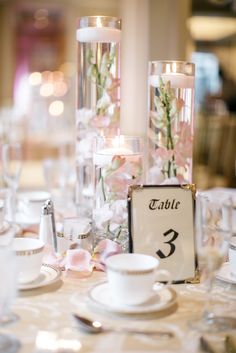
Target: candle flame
(174, 67)
(168, 70)
(118, 141)
(99, 22)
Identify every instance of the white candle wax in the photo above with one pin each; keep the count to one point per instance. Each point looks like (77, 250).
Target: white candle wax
(134, 59)
(98, 34)
(177, 80)
(104, 156)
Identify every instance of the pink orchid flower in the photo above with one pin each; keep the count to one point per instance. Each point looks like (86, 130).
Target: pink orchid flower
(117, 162)
(118, 183)
(113, 90)
(100, 121)
(104, 249)
(164, 153)
(184, 132)
(119, 209)
(133, 168)
(102, 216)
(155, 175)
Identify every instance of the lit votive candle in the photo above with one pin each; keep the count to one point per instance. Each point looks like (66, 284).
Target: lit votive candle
(117, 165)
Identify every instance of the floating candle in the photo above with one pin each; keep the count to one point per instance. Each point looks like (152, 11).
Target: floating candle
(98, 34)
(176, 80)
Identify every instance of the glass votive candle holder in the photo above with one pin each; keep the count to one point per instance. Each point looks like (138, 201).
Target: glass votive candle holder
(118, 164)
(78, 231)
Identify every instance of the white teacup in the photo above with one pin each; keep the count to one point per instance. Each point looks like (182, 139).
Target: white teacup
(131, 277)
(232, 257)
(29, 254)
(30, 203)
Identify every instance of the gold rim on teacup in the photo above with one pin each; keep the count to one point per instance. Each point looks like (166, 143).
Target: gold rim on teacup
(29, 252)
(131, 272)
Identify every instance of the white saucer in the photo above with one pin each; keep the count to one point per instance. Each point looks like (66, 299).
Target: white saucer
(24, 220)
(100, 296)
(225, 275)
(48, 275)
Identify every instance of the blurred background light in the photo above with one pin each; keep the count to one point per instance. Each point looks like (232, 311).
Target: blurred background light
(35, 78)
(46, 90)
(207, 28)
(56, 108)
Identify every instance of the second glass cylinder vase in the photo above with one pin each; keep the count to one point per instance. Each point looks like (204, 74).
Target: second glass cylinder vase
(118, 163)
(170, 130)
(98, 104)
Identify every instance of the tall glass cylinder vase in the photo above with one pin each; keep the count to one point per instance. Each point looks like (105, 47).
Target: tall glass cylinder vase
(118, 163)
(98, 95)
(170, 130)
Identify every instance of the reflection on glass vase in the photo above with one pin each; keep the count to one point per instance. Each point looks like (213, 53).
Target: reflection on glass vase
(118, 163)
(98, 101)
(170, 130)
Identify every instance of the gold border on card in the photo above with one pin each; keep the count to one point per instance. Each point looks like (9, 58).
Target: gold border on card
(195, 279)
(132, 188)
(192, 187)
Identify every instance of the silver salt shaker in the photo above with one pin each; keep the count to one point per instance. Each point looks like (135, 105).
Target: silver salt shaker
(50, 205)
(47, 232)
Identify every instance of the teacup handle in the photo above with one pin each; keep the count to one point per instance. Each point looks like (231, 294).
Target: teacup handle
(165, 277)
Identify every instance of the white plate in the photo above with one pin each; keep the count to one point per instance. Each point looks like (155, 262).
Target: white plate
(100, 296)
(24, 220)
(48, 275)
(225, 275)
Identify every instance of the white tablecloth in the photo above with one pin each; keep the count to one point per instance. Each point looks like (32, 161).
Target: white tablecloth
(50, 309)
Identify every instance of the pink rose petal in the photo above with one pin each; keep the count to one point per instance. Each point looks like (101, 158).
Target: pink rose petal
(78, 260)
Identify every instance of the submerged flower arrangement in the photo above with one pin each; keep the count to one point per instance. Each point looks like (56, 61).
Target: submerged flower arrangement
(172, 137)
(105, 113)
(103, 117)
(113, 179)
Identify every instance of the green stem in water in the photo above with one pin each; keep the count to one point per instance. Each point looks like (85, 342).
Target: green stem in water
(170, 143)
(103, 189)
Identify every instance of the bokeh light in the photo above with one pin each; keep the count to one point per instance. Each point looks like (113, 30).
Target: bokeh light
(35, 78)
(46, 90)
(56, 108)
(59, 89)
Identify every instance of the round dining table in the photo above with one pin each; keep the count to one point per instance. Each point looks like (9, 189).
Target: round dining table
(46, 321)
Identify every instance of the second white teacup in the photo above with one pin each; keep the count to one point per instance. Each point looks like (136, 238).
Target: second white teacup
(31, 202)
(29, 255)
(131, 277)
(232, 257)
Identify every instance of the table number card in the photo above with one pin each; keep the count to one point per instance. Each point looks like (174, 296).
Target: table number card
(161, 224)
